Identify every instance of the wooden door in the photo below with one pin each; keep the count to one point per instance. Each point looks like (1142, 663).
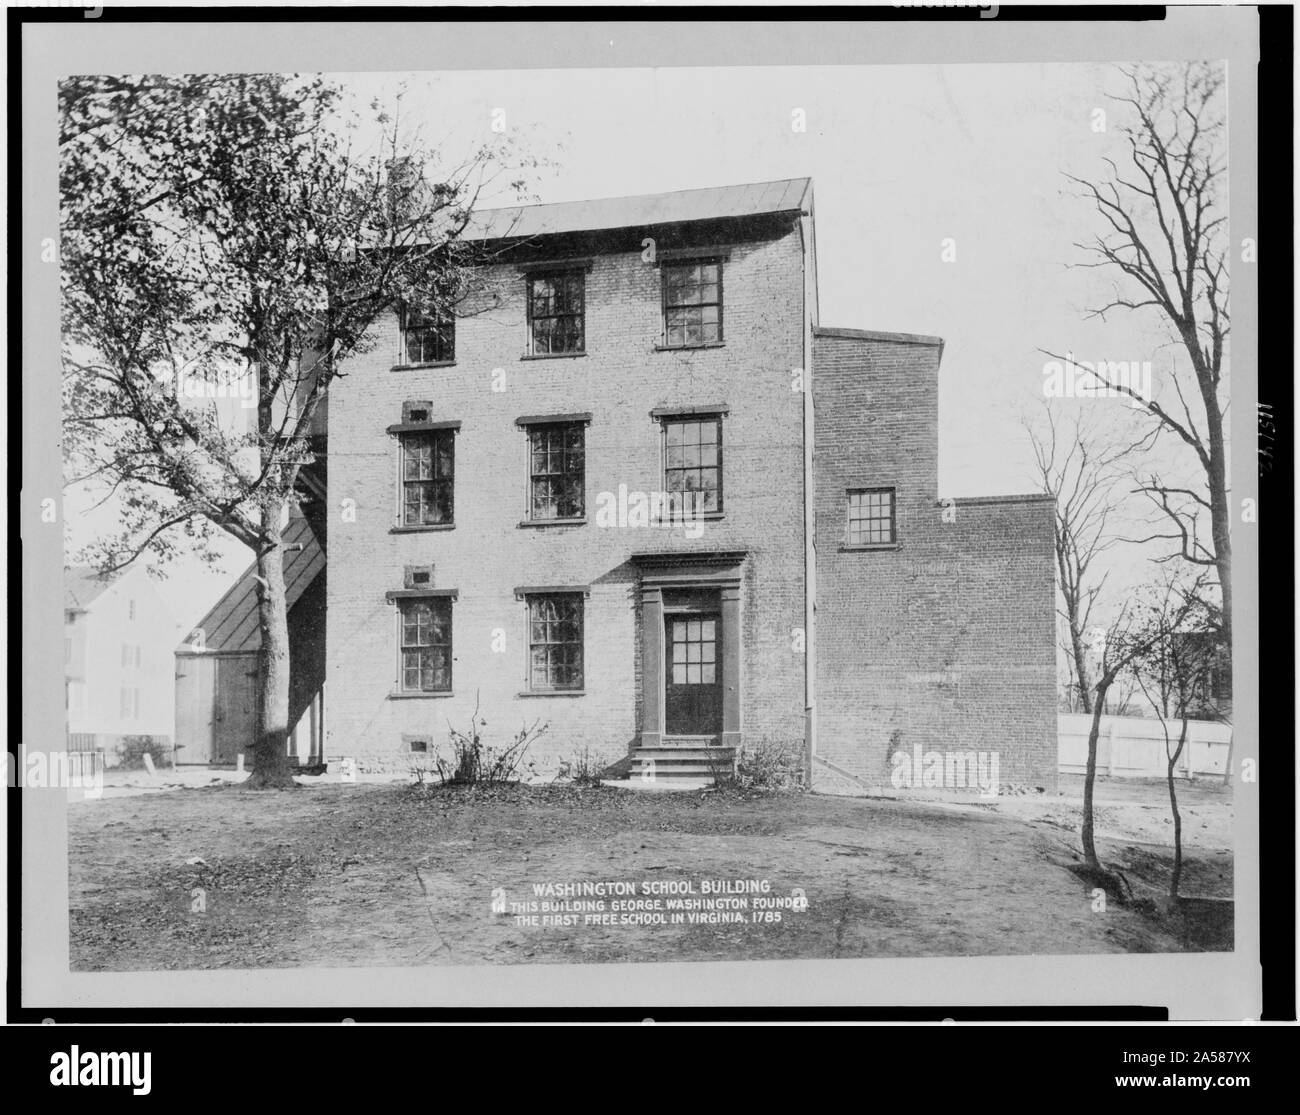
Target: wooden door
(195, 709)
(693, 674)
(235, 705)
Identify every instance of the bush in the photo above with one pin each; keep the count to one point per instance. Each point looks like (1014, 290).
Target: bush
(133, 749)
(472, 762)
(770, 765)
(584, 769)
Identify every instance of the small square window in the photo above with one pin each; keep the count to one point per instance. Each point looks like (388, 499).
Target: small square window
(871, 520)
(418, 746)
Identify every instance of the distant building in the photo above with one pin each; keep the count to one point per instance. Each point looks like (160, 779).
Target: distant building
(118, 637)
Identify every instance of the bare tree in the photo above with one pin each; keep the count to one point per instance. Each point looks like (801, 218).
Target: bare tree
(1079, 461)
(1165, 245)
(220, 231)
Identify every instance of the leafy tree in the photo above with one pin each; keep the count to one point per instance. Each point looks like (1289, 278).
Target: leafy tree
(221, 234)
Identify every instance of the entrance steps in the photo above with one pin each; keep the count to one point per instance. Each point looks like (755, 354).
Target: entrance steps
(683, 758)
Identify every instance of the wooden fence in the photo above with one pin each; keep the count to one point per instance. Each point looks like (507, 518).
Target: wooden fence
(1134, 746)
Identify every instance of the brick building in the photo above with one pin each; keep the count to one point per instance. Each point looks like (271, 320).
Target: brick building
(639, 494)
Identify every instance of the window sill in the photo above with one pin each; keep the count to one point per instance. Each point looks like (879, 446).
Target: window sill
(690, 348)
(552, 693)
(424, 364)
(422, 528)
(401, 696)
(554, 522)
(846, 548)
(551, 355)
(687, 520)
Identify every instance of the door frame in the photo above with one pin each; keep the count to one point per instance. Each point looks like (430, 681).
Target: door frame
(711, 569)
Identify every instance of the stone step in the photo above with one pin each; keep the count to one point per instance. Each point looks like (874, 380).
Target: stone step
(681, 754)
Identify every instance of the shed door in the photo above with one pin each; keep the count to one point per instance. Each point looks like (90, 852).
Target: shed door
(235, 705)
(195, 711)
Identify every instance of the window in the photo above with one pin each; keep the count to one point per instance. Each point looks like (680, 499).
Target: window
(555, 313)
(427, 477)
(427, 339)
(692, 303)
(126, 655)
(130, 609)
(557, 473)
(426, 645)
(555, 642)
(694, 651)
(693, 464)
(871, 517)
(418, 746)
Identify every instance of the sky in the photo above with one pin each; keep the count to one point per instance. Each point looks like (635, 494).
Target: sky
(942, 208)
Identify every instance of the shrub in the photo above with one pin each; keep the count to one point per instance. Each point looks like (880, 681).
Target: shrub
(769, 764)
(584, 769)
(473, 762)
(133, 749)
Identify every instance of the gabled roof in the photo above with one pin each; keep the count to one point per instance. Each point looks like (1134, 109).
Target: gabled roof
(231, 625)
(711, 203)
(82, 584)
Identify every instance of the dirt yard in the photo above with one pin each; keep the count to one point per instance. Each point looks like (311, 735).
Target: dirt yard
(372, 874)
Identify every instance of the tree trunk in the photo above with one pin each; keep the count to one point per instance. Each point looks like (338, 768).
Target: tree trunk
(1085, 834)
(1081, 666)
(1177, 875)
(271, 768)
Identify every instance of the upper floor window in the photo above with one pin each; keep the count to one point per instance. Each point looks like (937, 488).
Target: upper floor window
(426, 644)
(556, 304)
(130, 609)
(557, 472)
(692, 303)
(555, 641)
(427, 339)
(428, 477)
(872, 521)
(693, 464)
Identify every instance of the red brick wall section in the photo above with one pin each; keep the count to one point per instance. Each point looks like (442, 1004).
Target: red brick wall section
(619, 381)
(946, 641)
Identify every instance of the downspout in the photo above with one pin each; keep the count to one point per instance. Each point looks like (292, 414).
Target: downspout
(808, 237)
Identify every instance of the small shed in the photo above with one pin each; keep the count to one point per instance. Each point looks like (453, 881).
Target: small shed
(216, 667)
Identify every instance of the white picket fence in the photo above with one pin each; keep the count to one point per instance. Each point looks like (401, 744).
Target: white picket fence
(1134, 746)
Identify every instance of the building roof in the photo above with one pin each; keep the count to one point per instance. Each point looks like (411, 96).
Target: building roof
(231, 625)
(711, 203)
(82, 584)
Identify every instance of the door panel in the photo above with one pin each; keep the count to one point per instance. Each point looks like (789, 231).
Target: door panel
(236, 708)
(693, 674)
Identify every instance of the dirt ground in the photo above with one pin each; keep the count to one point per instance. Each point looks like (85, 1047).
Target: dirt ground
(336, 875)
